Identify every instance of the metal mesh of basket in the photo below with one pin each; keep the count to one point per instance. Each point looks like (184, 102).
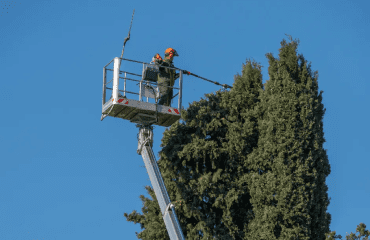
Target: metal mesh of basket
(151, 73)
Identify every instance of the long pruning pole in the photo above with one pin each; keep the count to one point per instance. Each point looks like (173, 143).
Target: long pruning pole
(127, 38)
(217, 83)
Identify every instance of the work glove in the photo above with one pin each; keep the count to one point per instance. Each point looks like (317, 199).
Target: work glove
(177, 75)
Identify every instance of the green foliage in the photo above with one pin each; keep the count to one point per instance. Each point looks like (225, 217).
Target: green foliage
(289, 167)
(202, 161)
(361, 229)
(151, 219)
(248, 163)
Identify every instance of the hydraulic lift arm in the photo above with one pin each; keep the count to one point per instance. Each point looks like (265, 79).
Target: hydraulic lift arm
(145, 144)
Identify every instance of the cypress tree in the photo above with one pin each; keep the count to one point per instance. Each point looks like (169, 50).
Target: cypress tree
(248, 163)
(289, 166)
(202, 163)
(242, 138)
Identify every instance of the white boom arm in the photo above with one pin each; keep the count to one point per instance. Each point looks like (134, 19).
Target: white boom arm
(145, 144)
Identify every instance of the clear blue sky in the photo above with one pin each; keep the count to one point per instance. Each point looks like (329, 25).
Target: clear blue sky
(64, 174)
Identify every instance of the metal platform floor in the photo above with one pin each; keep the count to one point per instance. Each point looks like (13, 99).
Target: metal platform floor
(137, 111)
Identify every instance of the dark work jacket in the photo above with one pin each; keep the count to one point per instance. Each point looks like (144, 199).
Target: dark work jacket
(166, 74)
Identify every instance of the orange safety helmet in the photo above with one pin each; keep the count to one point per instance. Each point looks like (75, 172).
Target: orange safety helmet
(158, 57)
(170, 51)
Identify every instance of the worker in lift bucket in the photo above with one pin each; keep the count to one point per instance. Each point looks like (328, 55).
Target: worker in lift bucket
(157, 59)
(167, 77)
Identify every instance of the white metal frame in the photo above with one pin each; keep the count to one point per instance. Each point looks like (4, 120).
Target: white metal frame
(142, 91)
(145, 136)
(146, 89)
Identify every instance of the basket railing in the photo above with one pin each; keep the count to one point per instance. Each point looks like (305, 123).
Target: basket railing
(147, 88)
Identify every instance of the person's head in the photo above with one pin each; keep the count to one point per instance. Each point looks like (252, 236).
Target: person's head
(157, 58)
(170, 53)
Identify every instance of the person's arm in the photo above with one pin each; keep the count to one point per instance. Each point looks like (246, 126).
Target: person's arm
(177, 75)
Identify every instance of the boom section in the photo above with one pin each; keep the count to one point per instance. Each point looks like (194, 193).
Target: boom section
(145, 144)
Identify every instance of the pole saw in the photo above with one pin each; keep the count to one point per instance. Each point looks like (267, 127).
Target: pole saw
(189, 73)
(217, 83)
(127, 38)
(123, 49)
(192, 74)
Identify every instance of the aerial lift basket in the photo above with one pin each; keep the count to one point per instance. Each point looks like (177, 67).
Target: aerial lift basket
(137, 110)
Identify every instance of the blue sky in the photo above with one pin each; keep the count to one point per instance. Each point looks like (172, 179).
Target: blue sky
(64, 174)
